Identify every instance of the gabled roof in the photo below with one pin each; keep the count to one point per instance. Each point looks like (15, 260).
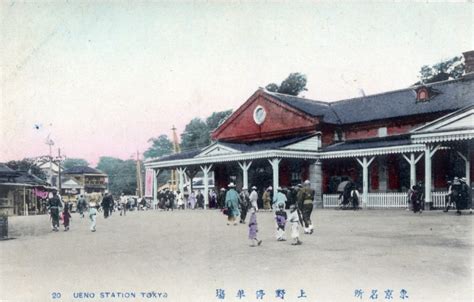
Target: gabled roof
(178, 156)
(369, 143)
(82, 170)
(311, 107)
(6, 170)
(264, 145)
(462, 119)
(26, 178)
(451, 95)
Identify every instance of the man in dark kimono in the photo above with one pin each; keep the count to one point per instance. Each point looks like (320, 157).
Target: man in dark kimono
(54, 204)
(200, 199)
(306, 198)
(107, 203)
(244, 204)
(221, 198)
(81, 205)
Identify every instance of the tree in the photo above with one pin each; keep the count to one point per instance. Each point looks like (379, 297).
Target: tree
(449, 69)
(27, 165)
(217, 118)
(294, 84)
(195, 135)
(74, 162)
(272, 87)
(161, 145)
(122, 174)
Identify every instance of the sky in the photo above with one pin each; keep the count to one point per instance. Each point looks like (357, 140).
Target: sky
(101, 78)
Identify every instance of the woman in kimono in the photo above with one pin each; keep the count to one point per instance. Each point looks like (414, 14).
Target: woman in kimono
(253, 228)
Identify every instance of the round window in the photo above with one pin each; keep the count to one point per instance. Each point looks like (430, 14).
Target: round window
(259, 115)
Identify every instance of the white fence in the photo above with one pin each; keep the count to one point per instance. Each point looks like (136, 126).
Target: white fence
(384, 200)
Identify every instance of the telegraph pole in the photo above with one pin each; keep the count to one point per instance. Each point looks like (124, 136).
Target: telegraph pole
(139, 177)
(176, 149)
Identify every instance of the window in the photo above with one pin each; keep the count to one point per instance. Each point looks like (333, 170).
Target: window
(339, 135)
(259, 115)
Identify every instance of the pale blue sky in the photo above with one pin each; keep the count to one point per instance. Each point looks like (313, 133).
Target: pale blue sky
(104, 77)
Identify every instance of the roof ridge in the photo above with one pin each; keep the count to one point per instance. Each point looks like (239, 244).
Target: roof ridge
(401, 89)
(297, 97)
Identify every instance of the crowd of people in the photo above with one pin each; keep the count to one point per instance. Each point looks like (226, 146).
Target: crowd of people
(237, 205)
(458, 196)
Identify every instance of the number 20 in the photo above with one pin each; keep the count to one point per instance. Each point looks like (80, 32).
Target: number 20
(56, 295)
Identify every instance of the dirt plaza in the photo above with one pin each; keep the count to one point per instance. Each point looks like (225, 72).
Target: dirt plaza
(368, 255)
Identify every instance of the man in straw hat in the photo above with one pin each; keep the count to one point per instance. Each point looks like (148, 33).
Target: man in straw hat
(232, 201)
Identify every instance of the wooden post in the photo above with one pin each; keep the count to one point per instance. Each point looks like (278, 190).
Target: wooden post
(245, 172)
(365, 178)
(181, 172)
(429, 152)
(412, 161)
(275, 167)
(205, 170)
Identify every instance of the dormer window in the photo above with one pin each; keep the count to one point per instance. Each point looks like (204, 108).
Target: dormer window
(422, 95)
(425, 94)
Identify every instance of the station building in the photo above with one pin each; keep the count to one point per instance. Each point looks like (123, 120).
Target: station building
(384, 142)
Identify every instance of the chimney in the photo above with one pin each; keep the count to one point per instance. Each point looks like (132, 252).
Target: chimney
(469, 61)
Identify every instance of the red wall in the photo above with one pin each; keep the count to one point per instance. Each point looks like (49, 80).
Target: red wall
(374, 175)
(393, 167)
(394, 127)
(281, 120)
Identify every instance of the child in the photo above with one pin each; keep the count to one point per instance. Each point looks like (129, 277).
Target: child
(253, 229)
(92, 215)
(281, 221)
(294, 220)
(66, 217)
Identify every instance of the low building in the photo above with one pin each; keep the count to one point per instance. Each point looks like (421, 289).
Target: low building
(385, 143)
(84, 180)
(22, 193)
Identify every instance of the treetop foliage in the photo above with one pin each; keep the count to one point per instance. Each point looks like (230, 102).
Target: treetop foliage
(294, 84)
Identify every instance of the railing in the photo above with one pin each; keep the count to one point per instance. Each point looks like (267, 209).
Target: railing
(438, 199)
(330, 200)
(384, 200)
(387, 200)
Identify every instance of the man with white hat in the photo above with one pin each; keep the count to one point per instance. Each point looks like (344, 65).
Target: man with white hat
(306, 198)
(232, 201)
(280, 198)
(254, 198)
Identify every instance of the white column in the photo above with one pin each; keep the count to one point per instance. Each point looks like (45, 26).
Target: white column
(412, 161)
(429, 152)
(245, 172)
(316, 179)
(181, 172)
(275, 167)
(205, 170)
(467, 162)
(365, 178)
(155, 187)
